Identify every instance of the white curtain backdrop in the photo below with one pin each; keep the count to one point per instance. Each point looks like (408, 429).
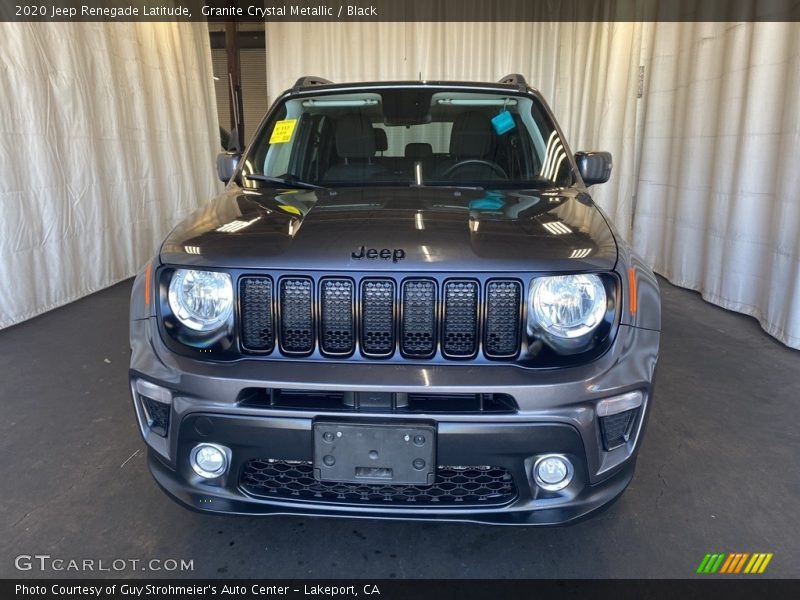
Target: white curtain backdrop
(707, 156)
(108, 133)
(719, 188)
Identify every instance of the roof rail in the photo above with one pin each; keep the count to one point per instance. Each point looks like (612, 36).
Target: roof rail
(308, 81)
(515, 79)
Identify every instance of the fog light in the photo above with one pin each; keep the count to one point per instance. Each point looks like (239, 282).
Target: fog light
(553, 472)
(209, 460)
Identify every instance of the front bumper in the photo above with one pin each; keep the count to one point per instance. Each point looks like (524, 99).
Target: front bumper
(556, 414)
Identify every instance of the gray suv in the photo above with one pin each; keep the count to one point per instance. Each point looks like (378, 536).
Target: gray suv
(404, 305)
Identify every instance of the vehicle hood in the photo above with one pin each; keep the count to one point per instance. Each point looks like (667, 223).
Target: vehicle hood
(423, 229)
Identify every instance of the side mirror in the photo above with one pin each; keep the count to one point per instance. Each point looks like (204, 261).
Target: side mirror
(226, 165)
(594, 167)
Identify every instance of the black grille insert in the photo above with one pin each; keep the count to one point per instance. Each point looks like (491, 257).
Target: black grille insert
(501, 336)
(297, 327)
(337, 335)
(617, 428)
(332, 401)
(377, 317)
(157, 414)
(455, 486)
(418, 316)
(460, 331)
(255, 297)
(418, 337)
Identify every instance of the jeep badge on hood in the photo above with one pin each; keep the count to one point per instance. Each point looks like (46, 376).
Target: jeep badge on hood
(396, 255)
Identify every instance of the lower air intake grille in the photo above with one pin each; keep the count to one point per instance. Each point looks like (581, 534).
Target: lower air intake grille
(336, 301)
(157, 414)
(617, 428)
(456, 486)
(297, 328)
(255, 295)
(501, 334)
(460, 318)
(377, 317)
(419, 318)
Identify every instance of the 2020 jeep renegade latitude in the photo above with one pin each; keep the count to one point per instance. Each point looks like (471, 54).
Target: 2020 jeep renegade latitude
(404, 305)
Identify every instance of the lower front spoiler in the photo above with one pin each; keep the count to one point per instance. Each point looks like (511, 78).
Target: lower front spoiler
(511, 446)
(595, 498)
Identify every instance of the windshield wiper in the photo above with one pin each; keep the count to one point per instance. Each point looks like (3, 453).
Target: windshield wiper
(289, 182)
(451, 186)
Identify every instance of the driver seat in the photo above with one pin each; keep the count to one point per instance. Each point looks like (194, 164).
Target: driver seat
(356, 144)
(472, 137)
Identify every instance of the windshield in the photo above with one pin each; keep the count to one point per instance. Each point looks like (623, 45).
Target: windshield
(411, 136)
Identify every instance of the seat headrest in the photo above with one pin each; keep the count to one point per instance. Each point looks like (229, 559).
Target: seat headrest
(381, 141)
(355, 137)
(419, 150)
(471, 136)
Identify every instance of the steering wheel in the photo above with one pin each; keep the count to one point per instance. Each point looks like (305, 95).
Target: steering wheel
(498, 170)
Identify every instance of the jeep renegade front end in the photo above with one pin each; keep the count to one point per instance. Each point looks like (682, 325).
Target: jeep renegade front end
(404, 305)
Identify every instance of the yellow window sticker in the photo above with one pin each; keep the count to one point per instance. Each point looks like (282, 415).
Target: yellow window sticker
(282, 132)
(290, 209)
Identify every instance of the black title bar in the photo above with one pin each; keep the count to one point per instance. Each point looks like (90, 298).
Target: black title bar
(399, 10)
(392, 589)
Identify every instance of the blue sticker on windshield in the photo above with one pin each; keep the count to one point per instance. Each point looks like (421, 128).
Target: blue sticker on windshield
(491, 201)
(503, 123)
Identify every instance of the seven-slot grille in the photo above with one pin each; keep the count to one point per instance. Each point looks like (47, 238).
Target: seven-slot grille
(380, 316)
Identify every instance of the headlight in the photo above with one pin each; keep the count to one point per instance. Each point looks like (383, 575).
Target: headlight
(567, 307)
(201, 300)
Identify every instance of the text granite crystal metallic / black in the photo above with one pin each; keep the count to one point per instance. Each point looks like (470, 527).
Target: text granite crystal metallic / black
(405, 304)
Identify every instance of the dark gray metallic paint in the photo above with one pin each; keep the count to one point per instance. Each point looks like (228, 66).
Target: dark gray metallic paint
(434, 226)
(318, 230)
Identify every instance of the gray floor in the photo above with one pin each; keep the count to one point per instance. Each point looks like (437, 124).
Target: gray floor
(719, 470)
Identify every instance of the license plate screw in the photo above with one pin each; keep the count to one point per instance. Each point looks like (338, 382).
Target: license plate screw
(419, 440)
(418, 464)
(327, 436)
(328, 460)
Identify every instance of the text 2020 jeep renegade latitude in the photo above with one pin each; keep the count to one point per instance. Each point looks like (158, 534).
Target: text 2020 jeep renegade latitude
(404, 305)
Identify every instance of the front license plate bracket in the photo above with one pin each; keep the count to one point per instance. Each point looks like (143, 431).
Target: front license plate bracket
(374, 453)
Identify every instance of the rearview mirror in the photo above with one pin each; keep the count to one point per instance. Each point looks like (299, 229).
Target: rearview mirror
(594, 167)
(226, 165)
